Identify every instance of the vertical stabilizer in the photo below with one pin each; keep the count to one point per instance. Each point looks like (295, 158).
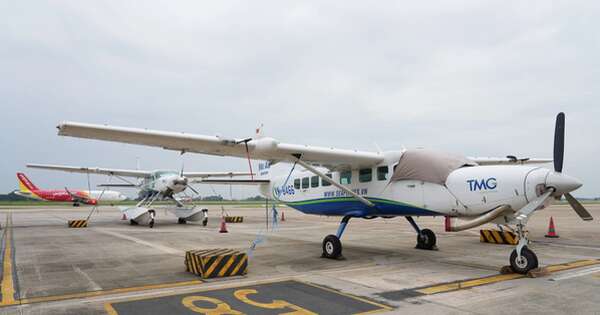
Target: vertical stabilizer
(25, 185)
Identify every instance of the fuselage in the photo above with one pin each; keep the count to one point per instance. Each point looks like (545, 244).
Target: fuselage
(64, 196)
(167, 183)
(467, 191)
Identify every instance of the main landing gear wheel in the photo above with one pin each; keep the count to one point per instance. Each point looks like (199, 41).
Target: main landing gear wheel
(181, 221)
(131, 222)
(151, 224)
(332, 247)
(528, 261)
(204, 222)
(426, 239)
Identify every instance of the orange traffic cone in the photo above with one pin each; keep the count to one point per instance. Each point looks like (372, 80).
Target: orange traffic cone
(223, 226)
(551, 229)
(282, 216)
(123, 217)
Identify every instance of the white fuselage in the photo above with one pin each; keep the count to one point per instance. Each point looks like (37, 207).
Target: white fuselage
(468, 191)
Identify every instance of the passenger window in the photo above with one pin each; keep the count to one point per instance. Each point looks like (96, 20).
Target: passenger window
(305, 181)
(297, 183)
(314, 181)
(326, 183)
(346, 177)
(382, 172)
(365, 175)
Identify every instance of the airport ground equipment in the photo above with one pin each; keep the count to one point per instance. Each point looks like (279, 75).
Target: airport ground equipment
(354, 184)
(77, 223)
(216, 263)
(234, 219)
(498, 237)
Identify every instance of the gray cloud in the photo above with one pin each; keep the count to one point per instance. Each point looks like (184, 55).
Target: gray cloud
(481, 78)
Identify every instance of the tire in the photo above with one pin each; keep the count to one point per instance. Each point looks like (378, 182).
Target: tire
(133, 222)
(332, 247)
(426, 240)
(204, 222)
(181, 221)
(151, 224)
(529, 261)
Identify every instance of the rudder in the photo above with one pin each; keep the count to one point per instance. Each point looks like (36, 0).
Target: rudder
(25, 185)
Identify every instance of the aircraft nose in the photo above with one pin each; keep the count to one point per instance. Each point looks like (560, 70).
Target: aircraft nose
(563, 183)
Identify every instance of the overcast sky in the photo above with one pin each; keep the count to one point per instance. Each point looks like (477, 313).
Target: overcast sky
(482, 78)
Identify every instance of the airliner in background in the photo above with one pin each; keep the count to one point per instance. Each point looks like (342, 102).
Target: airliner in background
(77, 197)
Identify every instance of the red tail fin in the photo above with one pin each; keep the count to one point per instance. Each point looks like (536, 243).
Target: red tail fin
(25, 183)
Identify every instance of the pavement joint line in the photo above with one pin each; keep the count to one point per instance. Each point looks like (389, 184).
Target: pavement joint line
(470, 283)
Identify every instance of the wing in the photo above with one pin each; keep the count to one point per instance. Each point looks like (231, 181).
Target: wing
(214, 174)
(224, 181)
(258, 149)
(91, 170)
(508, 160)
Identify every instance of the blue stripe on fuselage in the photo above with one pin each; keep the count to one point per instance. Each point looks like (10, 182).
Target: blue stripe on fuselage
(357, 208)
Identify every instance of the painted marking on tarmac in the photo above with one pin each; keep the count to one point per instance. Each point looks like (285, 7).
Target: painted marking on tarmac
(165, 249)
(93, 285)
(90, 294)
(288, 296)
(8, 279)
(471, 283)
(575, 274)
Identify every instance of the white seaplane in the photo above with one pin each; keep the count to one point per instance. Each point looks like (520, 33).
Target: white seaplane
(408, 183)
(153, 186)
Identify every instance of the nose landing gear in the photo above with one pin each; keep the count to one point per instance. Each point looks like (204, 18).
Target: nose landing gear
(522, 259)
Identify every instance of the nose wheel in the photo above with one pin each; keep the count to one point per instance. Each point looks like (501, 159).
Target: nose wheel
(526, 262)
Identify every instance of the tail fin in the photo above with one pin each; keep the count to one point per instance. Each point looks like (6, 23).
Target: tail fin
(25, 185)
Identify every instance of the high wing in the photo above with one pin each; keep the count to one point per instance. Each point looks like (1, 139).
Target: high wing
(92, 170)
(225, 181)
(258, 149)
(214, 174)
(508, 160)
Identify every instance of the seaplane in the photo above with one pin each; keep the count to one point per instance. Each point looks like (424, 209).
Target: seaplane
(410, 183)
(153, 186)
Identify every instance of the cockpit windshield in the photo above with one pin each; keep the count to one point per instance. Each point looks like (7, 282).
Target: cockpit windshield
(159, 174)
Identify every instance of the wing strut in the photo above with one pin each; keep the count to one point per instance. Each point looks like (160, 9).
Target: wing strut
(332, 182)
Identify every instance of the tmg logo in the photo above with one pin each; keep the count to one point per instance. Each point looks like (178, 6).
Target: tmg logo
(482, 184)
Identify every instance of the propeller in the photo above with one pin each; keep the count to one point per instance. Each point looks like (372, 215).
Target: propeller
(564, 184)
(559, 142)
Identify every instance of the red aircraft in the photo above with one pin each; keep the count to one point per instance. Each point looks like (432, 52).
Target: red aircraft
(29, 190)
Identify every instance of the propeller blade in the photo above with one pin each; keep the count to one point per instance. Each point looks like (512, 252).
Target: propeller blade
(559, 142)
(578, 207)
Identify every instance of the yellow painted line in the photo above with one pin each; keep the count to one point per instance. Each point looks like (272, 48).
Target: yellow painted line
(7, 284)
(459, 285)
(108, 292)
(468, 283)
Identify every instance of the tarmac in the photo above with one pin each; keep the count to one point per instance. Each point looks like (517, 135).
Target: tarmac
(111, 267)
